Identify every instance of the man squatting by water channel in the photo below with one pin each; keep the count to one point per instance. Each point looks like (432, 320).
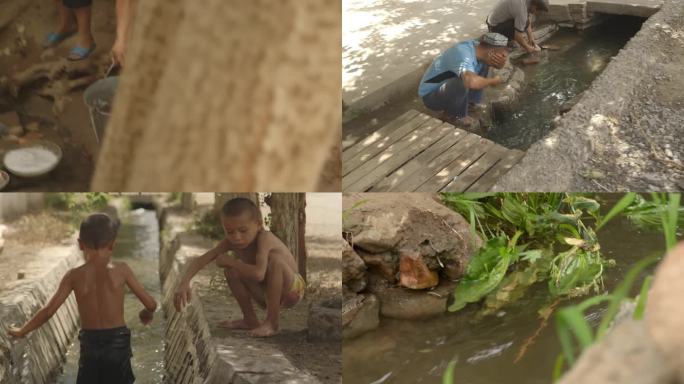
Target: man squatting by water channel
(455, 80)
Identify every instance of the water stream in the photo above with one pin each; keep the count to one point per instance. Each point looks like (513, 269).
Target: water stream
(485, 350)
(137, 245)
(560, 77)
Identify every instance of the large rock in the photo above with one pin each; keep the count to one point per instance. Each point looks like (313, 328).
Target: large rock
(323, 322)
(414, 273)
(410, 222)
(353, 269)
(360, 314)
(664, 310)
(401, 303)
(385, 264)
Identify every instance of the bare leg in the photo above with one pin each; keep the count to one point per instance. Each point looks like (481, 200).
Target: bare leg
(85, 36)
(279, 278)
(243, 296)
(65, 19)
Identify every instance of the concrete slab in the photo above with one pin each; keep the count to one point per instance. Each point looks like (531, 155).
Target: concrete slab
(625, 133)
(641, 8)
(386, 40)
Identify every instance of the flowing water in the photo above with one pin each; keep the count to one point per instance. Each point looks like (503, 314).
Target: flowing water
(485, 350)
(138, 245)
(560, 77)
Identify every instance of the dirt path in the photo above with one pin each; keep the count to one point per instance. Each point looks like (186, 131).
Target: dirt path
(23, 237)
(51, 107)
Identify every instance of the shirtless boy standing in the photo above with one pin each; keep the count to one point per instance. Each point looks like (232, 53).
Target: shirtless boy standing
(264, 271)
(99, 288)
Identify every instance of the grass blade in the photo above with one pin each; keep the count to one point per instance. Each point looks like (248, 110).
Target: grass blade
(643, 297)
(558, 368)
(670, 219)
(620, 206)
(448, 377)
(621, 292)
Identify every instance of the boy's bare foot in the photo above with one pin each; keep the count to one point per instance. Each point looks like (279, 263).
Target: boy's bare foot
(264, 330)
(241, 324)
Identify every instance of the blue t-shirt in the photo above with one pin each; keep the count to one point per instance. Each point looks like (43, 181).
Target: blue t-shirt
(451, 63)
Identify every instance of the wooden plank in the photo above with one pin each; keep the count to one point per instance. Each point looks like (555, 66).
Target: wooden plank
(487, 180)
(359, 146)
(420, 162)
(389, 152)
(476, 170)
(454, 168)
(388, 161)
(418, 178)
(353, 157)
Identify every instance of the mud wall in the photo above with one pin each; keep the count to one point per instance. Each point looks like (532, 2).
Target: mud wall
(37, 358)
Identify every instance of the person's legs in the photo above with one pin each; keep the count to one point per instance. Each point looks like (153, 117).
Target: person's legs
(279, 279)
(83, 18)
(65, 19)
(243, 291)
(451, 97)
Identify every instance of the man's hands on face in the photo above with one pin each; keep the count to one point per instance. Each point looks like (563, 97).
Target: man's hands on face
(498, 59)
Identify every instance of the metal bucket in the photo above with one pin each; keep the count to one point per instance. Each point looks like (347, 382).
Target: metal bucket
(99, 98)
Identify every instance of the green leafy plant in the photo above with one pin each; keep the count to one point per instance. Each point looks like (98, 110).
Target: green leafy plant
(485, 271)
(662, 210)
(551, 243)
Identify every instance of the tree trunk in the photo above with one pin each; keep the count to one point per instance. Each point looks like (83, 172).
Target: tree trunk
(221, 198)
(288, 221)
(253, 105)
(187, 201)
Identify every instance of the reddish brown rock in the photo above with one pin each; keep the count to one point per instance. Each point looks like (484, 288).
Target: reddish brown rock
(414, 273)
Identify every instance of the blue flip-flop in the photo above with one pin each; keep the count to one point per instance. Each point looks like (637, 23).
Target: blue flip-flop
(55, 38)
(79, 53)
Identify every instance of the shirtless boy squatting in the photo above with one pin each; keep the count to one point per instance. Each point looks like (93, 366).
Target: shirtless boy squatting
(99, 288)
(264, 271)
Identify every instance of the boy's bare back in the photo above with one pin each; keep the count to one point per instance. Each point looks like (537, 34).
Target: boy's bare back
(99, 290)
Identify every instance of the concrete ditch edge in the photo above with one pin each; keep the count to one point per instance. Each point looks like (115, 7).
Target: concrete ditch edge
(37, 358)
(557, 162)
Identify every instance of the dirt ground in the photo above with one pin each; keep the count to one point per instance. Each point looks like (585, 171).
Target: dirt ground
(49, 101)
(22, 236)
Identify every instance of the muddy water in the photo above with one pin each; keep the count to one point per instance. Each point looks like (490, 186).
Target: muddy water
(560, 77)
(485, 350)
(138, 246)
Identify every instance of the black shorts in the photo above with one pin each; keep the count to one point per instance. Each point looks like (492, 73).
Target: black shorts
(105, 356)
(73, 4)
(507, 28)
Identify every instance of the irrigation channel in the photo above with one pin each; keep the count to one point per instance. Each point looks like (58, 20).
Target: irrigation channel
(561, 77)
(485, 349)
(138, 245)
